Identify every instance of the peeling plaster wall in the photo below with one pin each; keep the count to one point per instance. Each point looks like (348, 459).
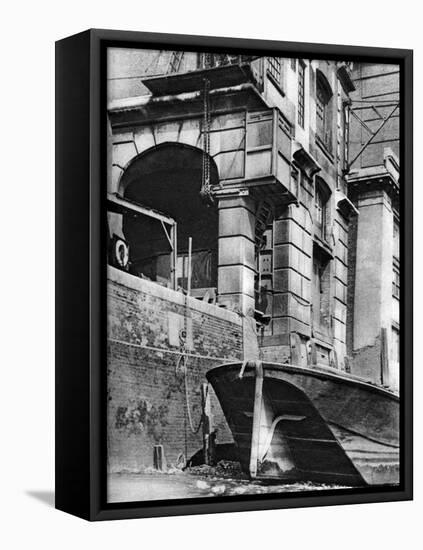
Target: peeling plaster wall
(146, 393)
(366, 361)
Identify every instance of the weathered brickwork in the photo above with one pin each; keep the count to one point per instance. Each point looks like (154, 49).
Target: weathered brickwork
(352, 261)
(148, 392)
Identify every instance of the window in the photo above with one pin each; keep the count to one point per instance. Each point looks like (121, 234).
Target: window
(396, 240)
(320, 289)
(301, 93)
(395, 282)
(293, 64)
(274, 67)
(321, 196)
(320, 220)
(395, 345)
(323, 112)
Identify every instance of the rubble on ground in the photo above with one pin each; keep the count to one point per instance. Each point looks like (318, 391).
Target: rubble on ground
(223, 469)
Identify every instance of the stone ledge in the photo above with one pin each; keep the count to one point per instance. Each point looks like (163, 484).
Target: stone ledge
(150, 287)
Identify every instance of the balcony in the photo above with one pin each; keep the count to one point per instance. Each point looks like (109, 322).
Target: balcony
(252, 151)
(222, 76)
(249, 142)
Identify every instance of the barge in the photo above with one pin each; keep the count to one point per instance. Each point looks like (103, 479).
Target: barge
(294, 423)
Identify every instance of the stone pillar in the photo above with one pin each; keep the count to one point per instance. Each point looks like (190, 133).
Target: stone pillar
(236, 262)
(237, 265)
(373, 281)
(292, 263)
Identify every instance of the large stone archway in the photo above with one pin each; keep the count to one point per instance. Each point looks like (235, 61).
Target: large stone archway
(168, 178)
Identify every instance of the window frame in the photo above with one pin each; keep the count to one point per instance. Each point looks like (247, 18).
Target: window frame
(324, 107)
(395, 281)
(301, 94)
(274, 70)
(321, 203)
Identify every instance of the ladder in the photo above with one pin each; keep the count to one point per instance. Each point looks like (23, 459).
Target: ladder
(264, 216)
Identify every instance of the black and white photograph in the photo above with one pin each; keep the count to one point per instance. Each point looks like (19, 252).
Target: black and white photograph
(253, 274)
(211, 330)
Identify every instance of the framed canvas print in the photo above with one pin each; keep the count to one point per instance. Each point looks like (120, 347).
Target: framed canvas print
(234, 264)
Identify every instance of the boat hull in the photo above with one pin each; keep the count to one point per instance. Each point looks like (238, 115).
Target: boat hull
(299, 424)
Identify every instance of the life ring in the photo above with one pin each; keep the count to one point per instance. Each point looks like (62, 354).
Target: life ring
(121, 253)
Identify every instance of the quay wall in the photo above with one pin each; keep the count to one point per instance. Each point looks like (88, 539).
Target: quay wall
(147, 391)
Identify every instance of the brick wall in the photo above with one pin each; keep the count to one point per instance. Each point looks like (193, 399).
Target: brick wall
(352, 262)
(147, 402)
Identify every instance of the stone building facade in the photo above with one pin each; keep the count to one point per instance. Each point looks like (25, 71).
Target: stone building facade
(239, 165)
(373, 182)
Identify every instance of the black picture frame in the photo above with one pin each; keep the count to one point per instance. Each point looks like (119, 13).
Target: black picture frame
(80, 275)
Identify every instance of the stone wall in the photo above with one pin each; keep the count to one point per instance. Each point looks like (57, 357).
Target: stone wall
(147, 397)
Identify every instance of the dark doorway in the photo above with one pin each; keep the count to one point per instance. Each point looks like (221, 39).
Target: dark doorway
(168, 178)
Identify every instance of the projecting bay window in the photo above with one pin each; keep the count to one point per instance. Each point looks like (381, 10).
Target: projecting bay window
(323, 112)
(301, 93)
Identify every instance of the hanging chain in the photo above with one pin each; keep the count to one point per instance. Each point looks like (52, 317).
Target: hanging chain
(205, 183)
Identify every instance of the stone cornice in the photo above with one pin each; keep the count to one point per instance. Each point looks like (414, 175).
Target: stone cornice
(305, 160)
(384, 176)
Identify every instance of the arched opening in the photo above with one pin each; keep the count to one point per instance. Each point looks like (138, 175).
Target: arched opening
(168, 178)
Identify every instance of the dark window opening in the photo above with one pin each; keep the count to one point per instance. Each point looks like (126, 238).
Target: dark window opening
(321, 198)
(143, 241)
(395, 282)
(320, 289)
(149, 249)
(323, 112)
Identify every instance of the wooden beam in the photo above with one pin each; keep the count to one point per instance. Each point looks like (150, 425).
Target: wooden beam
(120, 205)
(255, 438)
